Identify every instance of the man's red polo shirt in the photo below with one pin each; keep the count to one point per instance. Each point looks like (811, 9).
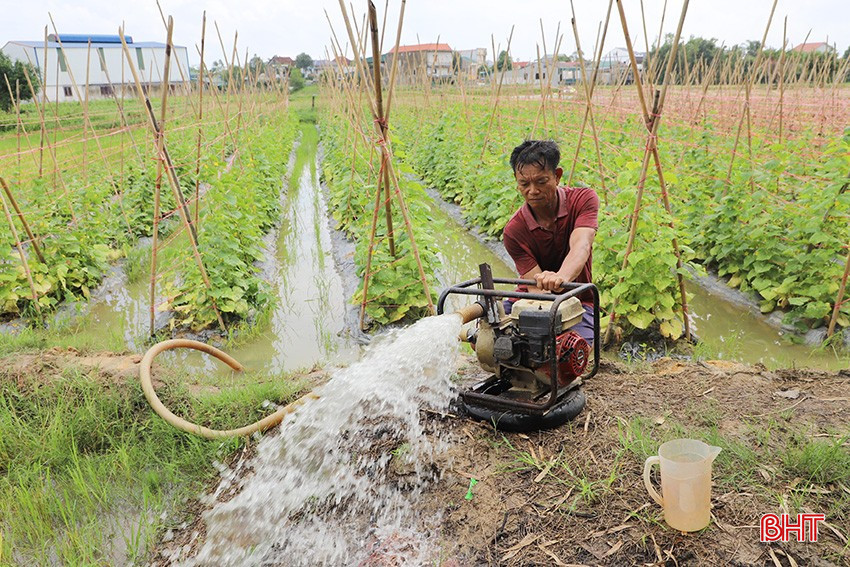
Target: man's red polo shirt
(530, 244)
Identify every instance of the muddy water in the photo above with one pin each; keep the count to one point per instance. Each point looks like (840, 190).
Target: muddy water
(320, 493)
(731, 331)
(306, 324)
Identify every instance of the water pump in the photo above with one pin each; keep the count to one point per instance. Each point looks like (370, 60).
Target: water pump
(534, 357)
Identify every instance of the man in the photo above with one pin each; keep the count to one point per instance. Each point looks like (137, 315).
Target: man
(550, 237)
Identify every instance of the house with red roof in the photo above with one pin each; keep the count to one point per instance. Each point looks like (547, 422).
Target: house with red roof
(817, 47)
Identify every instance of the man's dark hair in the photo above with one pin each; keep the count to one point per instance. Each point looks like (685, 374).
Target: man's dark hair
(542, 153)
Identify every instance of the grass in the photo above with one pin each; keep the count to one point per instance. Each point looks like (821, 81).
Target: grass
(74, 333)
(819, 461)
(89, 475)
(794, 462)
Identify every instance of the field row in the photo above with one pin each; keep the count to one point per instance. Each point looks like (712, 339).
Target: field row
(776, 223)
(86, 215)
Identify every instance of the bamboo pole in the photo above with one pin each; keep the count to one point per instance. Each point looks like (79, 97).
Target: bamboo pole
(86, 113)
(172, 177)
(782, 81)
(33, 240)
(646, 44)
(219, 104)
(393, 178)
(187, 84)
(87, 122)
(745, 114)
(56, 124)
(43, 105)
(200, 123)
(160, 146)
(498, 92)
(120, 104)
(51, 149)
(588, 110)
(651, 68)
(379, 104)
(21, 252)
(589, 103)
(229, 86)
(705, 84)
(542, 107)
(840, 298)
(650, 144)
(19, 123)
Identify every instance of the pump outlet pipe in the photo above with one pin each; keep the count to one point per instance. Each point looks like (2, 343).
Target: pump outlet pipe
(189, 427)
(467, 314)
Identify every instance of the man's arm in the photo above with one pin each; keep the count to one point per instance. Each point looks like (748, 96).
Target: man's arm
(581, 243)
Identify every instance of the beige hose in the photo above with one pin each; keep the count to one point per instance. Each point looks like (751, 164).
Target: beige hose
(189, 427)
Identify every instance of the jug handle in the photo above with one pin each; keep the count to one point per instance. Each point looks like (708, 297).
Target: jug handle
(647, 469)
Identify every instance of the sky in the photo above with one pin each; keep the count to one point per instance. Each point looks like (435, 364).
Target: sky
(289, 27)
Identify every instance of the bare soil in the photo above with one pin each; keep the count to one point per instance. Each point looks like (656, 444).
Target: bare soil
(575, 496)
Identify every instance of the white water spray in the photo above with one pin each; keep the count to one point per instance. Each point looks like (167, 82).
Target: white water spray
(322, 492)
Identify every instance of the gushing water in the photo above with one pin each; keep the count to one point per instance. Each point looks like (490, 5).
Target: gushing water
(339, 485)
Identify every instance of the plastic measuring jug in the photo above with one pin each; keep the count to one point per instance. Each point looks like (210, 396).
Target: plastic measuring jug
(685, 482)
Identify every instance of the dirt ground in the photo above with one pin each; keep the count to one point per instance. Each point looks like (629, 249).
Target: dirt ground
(575, 495)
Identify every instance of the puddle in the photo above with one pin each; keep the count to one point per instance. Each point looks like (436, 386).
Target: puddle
(308, 325)
(305, 327)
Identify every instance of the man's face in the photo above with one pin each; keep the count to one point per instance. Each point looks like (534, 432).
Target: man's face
(538, 185)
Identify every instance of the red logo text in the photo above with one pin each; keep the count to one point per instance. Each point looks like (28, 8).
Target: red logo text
(775, 527)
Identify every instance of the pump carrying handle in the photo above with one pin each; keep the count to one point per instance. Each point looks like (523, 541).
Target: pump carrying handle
(483, 287)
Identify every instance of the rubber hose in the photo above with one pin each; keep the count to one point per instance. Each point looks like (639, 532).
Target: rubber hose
(189, 427)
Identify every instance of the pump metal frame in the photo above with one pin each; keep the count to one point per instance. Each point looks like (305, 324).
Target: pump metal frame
(487, 293)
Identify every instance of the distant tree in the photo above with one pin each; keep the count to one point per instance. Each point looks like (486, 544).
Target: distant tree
(302, 61)
(504, 61)
(296, 80)
(457, 63)
(847, 53)
(256, 64)
(565, 58)
(16, 71)
(751, 48)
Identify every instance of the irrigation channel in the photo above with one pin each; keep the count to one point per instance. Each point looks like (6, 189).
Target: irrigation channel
(308, 323)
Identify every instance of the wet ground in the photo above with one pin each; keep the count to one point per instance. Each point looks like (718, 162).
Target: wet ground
(574, 495)
(312, 274)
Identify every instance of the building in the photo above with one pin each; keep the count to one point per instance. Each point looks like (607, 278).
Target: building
(615, 66)
(280, 62)
(432, 59)
(819, 47)
(108, 71)
(472, 61)
(339, 67)
(527, 73)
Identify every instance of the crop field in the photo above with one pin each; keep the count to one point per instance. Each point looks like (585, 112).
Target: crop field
(766, 208)
(90, 186)
(754, 190)
(309, 230)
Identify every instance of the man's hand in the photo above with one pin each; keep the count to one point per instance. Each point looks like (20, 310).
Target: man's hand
(550, 281)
